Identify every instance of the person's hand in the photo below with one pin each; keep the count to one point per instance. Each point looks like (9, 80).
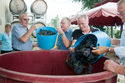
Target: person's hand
(60, 30)
(100, 50)
(71, 49)
(35, 45)
(33, 27)
(110, 65)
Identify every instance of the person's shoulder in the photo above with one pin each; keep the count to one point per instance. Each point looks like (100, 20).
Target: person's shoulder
(93, 29)
(70, 30)
(3, 34)
(16, 26)
(77, 30)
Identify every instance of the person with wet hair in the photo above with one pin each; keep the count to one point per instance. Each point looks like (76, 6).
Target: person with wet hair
(21, 34)
(65, 35)
(111, 65)
(6, 40)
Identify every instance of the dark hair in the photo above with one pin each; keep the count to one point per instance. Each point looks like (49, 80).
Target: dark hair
(7, 25)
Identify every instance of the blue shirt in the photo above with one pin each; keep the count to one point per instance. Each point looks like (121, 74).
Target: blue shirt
(60, 43)
(17, 32)
(6, 41)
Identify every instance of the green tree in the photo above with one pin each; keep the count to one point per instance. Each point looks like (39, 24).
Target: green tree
(108, 31)
(100, 27)
(55, 22)
(88, 3)
(117, 34)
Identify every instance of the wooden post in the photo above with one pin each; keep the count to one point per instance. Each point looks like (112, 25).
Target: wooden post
(121, 29)
(111, 31)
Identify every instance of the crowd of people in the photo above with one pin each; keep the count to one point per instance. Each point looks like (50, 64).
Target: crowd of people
(19, 39)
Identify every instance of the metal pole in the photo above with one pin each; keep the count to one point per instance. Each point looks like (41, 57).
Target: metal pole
(111, 31)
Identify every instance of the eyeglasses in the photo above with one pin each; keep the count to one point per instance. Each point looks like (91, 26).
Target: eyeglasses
(26, 19)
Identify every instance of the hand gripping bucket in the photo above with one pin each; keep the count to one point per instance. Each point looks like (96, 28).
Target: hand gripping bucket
(46, 41)
(101, 39)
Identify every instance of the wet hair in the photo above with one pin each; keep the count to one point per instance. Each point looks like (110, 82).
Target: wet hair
(120, 2)
(7, 25)
(83, 16)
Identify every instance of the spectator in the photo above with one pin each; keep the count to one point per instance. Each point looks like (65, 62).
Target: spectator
(6, 40)
(21, 34)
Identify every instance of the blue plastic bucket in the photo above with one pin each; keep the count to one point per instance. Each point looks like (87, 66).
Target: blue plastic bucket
(102, 40)
(46, 42)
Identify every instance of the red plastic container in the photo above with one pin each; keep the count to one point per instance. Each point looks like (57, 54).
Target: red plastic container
(47, 66)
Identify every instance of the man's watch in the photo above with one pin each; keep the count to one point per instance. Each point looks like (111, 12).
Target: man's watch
(109, 49)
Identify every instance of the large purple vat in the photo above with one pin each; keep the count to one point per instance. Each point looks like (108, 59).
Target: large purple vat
(47, 66)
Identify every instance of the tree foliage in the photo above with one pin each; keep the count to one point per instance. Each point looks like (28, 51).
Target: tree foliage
(55, 22)
(117, 34)
(108, 31)
(100, 27)
(88, 3)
